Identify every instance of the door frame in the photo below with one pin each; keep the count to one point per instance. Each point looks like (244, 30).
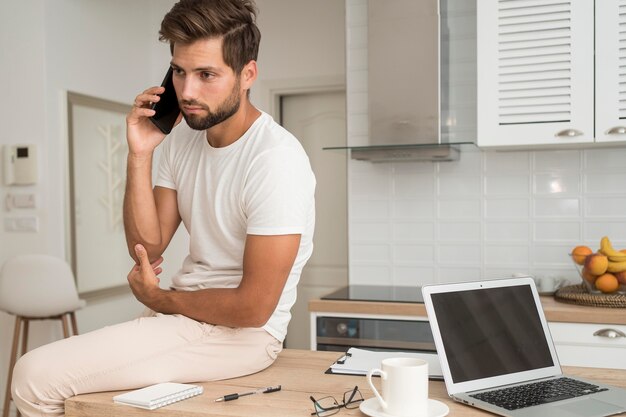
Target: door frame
(272, 91)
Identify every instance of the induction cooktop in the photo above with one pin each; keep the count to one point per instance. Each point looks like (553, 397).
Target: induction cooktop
(389, 293)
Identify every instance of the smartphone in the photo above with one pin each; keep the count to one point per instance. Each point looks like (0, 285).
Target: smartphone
(166, 109)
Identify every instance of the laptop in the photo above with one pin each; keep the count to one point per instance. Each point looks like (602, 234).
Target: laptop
(497, 354)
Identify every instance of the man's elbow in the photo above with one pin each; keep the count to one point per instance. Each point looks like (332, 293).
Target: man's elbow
(259, 314)
(154, 251)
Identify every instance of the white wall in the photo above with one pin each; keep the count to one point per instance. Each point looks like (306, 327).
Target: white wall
(110, 49)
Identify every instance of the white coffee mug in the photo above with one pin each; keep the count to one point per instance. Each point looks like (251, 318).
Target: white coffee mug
(549, 283)
(404, 383)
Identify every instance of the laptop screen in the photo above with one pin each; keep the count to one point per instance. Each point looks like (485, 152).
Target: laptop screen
(490, 332)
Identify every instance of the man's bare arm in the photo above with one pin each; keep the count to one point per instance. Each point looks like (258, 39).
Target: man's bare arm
(150, 216)
(267, 263)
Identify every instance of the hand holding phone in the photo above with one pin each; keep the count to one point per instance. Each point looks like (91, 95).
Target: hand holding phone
(166, 108)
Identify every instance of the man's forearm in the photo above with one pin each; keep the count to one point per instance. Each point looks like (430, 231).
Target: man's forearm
(220, 306)
(141, 221)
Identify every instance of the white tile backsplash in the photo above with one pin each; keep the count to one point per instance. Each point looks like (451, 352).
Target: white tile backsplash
(507, 185)
(413, 275)
(556, 208)
(513, 162)
(413, 254)
(561, 183)
(605, 183)
(507, 254)
(557, 160)
(413, 232)
(519, 212)
(557, 231)
(605, 160)
(614, 207)
(459, 231)
(458, 185)
(506, 208)
(594, 230)
(459, 209)
(506, 231)
(370, 253)
(413, 209)
(459, 254)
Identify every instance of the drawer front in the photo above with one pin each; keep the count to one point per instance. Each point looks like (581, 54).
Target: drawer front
(589, 334)
(576, 344)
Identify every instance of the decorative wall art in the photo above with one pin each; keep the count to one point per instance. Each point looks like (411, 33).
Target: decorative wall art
(97, 177)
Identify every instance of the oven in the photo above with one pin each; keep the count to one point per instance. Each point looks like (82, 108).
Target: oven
(341, 333)
(333, 331)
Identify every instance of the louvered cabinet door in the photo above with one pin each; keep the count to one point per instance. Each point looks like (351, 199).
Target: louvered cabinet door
(535, 72)
(610, 70)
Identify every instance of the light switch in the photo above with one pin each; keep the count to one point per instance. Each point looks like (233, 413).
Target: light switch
(21, 224)
(20, 201)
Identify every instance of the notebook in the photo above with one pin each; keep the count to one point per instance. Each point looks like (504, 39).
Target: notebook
(158, 395)
(497, 354)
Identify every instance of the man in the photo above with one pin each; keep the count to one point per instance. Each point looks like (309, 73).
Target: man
(243, 188)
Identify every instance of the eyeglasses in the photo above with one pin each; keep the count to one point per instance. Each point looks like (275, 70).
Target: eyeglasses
(328, 406)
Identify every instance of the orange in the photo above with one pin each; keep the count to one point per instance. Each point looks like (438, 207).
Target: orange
(607, 283)
(579, 253)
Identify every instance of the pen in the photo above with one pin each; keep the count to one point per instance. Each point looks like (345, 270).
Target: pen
(231, 397)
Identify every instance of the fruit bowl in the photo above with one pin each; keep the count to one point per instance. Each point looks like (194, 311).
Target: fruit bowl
(603, 271)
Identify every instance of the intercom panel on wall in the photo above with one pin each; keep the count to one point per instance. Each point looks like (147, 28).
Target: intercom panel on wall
(20, 164)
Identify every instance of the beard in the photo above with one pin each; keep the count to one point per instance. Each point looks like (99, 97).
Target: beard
(224, 111)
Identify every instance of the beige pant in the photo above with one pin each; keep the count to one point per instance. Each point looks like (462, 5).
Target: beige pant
(135, 354)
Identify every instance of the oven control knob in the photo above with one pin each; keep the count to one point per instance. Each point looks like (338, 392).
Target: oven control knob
(342, 328)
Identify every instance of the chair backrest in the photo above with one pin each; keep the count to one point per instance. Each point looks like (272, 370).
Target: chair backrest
(38, 286)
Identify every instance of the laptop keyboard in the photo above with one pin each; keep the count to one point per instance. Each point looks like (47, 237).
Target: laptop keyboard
(536, 393)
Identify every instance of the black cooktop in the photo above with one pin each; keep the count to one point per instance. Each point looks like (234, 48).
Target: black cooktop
(390, 293)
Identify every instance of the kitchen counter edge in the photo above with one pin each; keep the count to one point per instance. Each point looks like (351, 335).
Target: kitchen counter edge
(555, 311)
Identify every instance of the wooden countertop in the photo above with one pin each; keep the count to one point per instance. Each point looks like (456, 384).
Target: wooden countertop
(555, 311)
(301, 374)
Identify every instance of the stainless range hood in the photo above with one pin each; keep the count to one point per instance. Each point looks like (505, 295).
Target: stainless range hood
(421, 79)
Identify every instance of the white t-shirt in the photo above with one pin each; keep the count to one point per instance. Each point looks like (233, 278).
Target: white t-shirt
(262, 184)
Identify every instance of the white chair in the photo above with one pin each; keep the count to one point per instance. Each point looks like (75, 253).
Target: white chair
(36, 287)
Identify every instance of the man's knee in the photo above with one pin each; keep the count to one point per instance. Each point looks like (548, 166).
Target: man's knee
(31, 378)
(24, 373)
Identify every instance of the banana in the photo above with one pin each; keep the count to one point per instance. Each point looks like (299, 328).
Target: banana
(607, 249)
(616, 266)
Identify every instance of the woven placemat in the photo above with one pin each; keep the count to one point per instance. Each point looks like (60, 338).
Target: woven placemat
(577, 294)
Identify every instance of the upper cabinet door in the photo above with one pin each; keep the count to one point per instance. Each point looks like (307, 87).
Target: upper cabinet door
(610, 70)
(535, 72)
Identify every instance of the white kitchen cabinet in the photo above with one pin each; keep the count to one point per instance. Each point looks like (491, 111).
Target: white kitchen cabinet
(610, 70)
(590, 345)
(538, 80)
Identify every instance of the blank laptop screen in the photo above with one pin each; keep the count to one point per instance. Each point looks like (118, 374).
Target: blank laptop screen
(490, 332)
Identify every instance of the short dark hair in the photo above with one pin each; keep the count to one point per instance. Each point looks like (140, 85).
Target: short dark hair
(231, 20)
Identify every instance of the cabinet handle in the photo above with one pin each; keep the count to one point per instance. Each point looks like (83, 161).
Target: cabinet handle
(617, 130)
(610, 333)
(568, 133)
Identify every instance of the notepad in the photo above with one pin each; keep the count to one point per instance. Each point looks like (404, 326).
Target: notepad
(158, 395)
(359, 361)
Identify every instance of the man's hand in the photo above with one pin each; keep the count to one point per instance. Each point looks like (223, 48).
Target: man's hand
(143, 279)
(143, 136)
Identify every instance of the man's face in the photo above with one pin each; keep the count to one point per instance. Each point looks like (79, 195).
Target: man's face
(208, 90)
